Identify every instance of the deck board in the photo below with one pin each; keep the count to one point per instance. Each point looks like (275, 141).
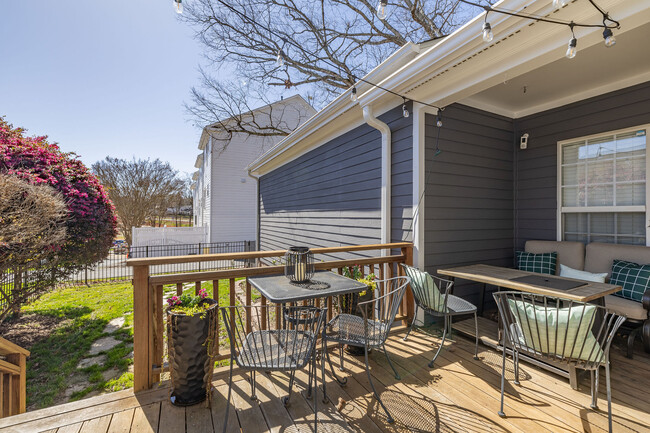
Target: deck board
(459, 394)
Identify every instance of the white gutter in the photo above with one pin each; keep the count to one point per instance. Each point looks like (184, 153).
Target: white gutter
(386, 153)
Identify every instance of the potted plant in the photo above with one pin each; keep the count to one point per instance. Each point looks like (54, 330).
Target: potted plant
(191, 341)
(348, 303)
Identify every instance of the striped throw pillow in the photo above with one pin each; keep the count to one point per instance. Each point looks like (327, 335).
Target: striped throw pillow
(544, 263)
(633, 277)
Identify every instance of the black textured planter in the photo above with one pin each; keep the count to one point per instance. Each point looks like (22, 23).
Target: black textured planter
(189, 363)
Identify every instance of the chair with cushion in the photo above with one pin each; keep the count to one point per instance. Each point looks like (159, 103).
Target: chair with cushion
(254, 347)
(558, 330)
(433, 296)
(369, 331)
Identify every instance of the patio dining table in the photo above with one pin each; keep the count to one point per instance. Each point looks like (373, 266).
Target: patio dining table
(279, 290)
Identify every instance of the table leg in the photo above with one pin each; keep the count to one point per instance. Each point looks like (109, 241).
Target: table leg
(573, 377)
(481, 299)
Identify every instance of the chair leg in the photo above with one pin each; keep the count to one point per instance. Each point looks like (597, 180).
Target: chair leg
(609, 395)
(292, 376)
(415, 315)
(322, 366)
(503, 380)
(341, 368)
(225, 421)
(389, 418)
(341, 382)
(515, 359)
(390, 363)
(476, 325)
(442, 343)
(315, 391)
(253, 393)
(594, 388)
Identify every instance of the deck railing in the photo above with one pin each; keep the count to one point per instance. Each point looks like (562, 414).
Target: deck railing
(149, 326)
(13, 378)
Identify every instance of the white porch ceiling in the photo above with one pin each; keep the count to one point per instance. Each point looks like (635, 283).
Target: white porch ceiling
(595, 70)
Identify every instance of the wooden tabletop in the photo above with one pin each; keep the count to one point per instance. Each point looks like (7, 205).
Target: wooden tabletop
(502, 277)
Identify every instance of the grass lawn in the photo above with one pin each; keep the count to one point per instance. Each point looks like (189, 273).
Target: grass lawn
(83, 313)
(79, 316)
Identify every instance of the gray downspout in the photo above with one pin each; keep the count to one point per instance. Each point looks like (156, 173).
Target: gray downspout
(259, 227)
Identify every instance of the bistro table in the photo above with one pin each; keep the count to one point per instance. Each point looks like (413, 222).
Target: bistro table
(539, 284)
(279, 290)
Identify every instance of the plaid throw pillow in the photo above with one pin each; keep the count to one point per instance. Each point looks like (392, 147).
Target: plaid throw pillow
(633, 277)
(544, 263)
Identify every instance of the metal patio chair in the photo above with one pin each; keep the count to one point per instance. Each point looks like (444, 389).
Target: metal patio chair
(287, 349)
(369, 331)
(558, 330)
(433, 296)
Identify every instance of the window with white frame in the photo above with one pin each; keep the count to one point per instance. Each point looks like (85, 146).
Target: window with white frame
(602, 190)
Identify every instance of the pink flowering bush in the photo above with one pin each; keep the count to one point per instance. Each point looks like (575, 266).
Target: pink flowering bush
(91, 221)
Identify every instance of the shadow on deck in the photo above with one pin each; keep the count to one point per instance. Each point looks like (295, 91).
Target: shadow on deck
(459, 394)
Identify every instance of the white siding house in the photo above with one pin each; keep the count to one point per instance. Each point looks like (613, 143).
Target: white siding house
(225, 197)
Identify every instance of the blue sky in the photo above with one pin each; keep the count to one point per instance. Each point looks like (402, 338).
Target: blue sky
(101, 77)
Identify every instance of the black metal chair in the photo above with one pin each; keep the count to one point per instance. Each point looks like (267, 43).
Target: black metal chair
(433, 296)
(369, 331)
(287, 349)
(558, 330)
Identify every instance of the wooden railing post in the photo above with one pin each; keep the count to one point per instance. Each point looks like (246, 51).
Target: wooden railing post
(407, 252)
(142, 334)
(13, 379)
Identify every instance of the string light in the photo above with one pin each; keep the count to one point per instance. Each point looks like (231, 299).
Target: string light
(353, 95)
(179, 6)
(487, 30)
(405, 111)
(439, 119)
(381, 9)
(279, 60)
(571, 48)
(608, 35)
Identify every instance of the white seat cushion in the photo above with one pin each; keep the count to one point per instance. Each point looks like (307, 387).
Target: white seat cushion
(632, 309)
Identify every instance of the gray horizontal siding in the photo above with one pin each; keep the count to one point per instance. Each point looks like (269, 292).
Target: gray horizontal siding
(536, 185)
(469, 192)
(331, 196)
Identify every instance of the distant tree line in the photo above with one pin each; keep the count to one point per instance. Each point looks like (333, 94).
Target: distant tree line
(142, 191)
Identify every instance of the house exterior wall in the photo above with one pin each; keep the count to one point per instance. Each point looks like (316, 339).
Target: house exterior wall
(469, 192)
(536, 166)
(331, 195)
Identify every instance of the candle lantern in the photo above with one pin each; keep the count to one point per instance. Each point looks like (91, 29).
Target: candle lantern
(299, 264)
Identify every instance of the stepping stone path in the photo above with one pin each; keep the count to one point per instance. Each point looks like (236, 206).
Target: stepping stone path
(88, 362)
(102, 345)
(114, 325)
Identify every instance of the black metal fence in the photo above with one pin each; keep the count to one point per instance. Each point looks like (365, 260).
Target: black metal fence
(114, 268)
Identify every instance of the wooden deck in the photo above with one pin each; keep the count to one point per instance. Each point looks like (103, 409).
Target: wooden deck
(459, 395)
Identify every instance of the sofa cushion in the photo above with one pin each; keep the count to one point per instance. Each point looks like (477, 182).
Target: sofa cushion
(632, 309)
(633, 277)
(544, 263)
(571, 254)
(600, 256)
(568, 272)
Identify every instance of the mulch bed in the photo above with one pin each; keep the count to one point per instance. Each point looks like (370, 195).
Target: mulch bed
(28, 329)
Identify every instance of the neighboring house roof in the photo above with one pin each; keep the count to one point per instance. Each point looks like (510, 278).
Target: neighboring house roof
(195, 175)
(463, 68)
(199, 161)
(219, 125)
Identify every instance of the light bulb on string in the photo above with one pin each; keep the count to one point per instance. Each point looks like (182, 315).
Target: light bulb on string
(405, 111)
(487, 32)
(608, 35)
(353, 95)
(179, 6)
(381, 9)
(571, 48)
(439, 120)
(279, 60)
